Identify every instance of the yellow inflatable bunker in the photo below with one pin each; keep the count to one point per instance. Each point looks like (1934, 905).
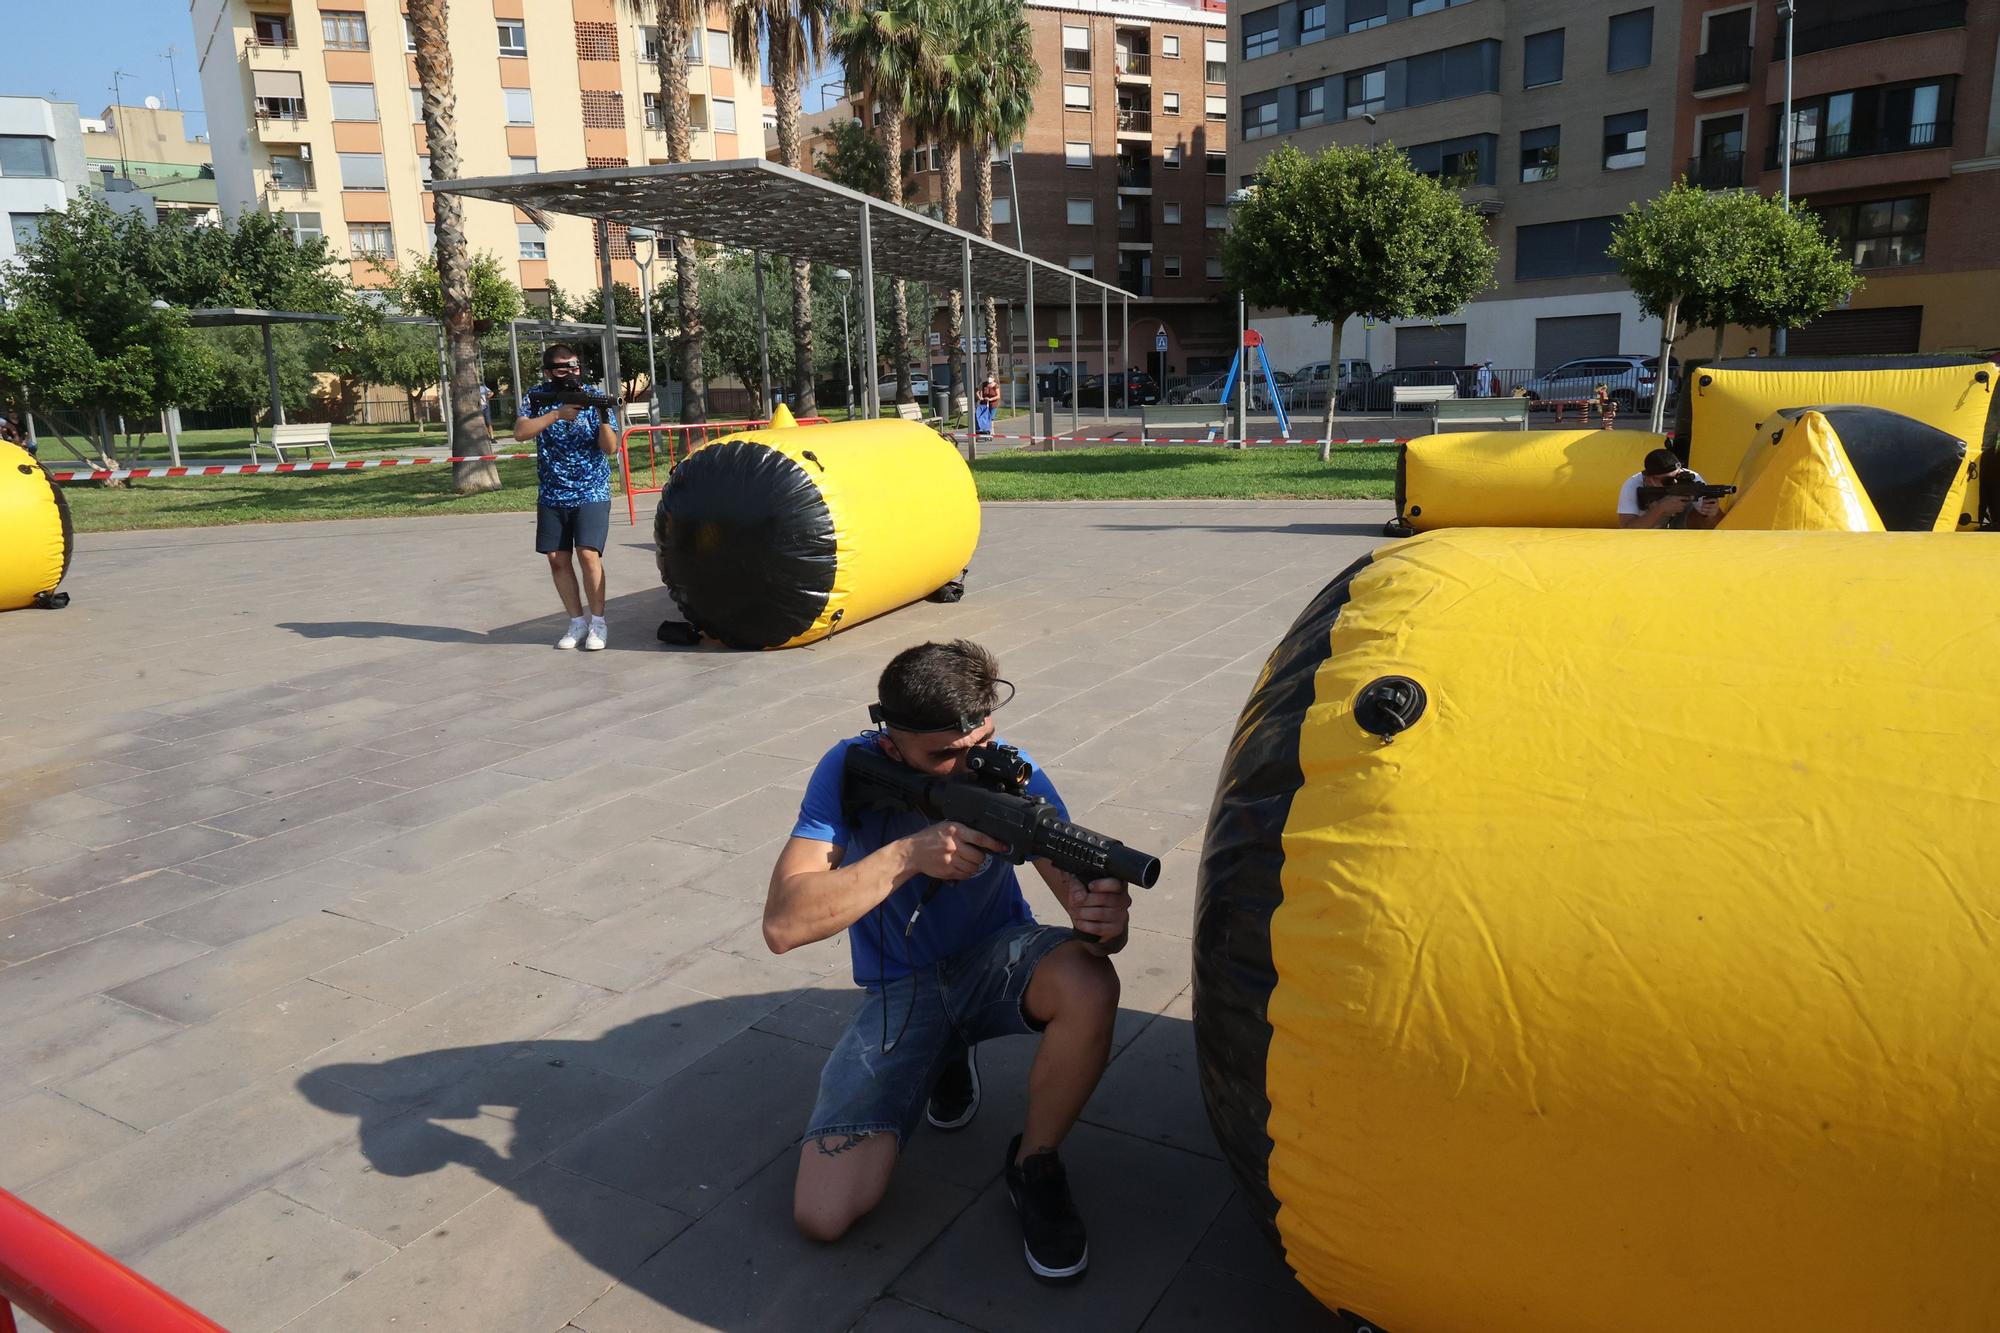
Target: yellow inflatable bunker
(1722, 404)
(783, 535)
(35, 533)
(1516, 478)
(1800, 479)
(1600, 933)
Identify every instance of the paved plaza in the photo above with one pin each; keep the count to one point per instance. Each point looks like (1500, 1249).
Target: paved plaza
(367, 964)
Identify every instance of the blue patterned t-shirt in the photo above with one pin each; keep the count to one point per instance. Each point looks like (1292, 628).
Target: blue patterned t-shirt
(571, 468)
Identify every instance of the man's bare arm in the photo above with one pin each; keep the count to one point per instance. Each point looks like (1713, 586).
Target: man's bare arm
(814, 897)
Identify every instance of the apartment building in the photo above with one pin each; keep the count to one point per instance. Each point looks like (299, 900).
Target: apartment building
(314, 114)
(41, 166)
(1549, 116)
(1895, 142)
(150, 144)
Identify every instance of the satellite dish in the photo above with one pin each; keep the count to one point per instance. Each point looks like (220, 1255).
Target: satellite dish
(152, 104)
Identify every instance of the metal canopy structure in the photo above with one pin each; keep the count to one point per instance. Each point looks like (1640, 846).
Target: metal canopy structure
(756, 205)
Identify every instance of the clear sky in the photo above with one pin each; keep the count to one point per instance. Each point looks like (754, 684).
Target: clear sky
(68, 49)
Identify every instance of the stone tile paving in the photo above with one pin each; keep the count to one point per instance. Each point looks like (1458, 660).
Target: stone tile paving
(366, 963)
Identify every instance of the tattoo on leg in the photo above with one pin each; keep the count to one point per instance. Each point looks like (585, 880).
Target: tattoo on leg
(829, 1148)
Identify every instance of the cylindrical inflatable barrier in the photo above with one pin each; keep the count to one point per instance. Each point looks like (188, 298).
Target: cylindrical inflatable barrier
(35, 533)
(1799, 479)
(1517, 478)
(1724, 402)
(1600, 934)
(781, 536)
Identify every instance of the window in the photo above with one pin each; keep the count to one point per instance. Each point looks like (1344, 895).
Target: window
(1456, 71)
(1170, 266)
(1170, 48)
(1312, 104)
(362, 171)
(290, 173)
(353, 101)
(1457, 163)
(1631, 42)
(1170, 104)
(1076, 49)
(1082, 212)
(1083, 263)
(1215, 217)
(520, 106)
(1885, 233)
(343, 30)
(718, 49)
(1170, 157)
(1367, 90)
(417, 106)
(304, 226)
(1260, 34)
(1625, 141)
(523, 166)
(1214, 268)
(1312, 22)
(1889, 118)
(1540, 148)
(1170, 214)
(1218, 164)
(1077, 155)
(370, 240)
(1542, 59)
(1215, 107)
(1563, 249)
(1260, 115)
(1215, 60)
(275, 29)
(1076, 96)
(651, 103)
(27, 155)
(649, 43)
(424, 168)
(534, 242)
(281, 94)
(27, 229)
(697, 111)
(1003, 210)
(694, 54)
(513, 37)
(1365, 14)
(725, 114)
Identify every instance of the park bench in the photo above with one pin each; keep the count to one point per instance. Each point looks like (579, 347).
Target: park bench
(317, 435)
(914, 412)
(1422, 395)
(1501, 412)
(1179, 421)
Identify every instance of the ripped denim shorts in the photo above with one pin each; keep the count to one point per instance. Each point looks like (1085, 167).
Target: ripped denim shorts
(867, 1088)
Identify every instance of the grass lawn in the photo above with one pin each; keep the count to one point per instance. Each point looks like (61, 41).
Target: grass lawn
(1192, 472)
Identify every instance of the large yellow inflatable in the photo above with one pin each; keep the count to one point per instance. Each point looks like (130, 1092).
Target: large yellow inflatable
(1800, 479)
(783, 535)
(1516, 478)
(1598, 933)
(35, 532)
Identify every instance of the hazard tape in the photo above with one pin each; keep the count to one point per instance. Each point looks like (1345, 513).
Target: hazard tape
(1188, 439)
(251, 469)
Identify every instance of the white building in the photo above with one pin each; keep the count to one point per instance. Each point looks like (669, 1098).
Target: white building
(41, 165)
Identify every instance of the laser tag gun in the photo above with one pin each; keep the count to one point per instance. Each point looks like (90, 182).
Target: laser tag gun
(1693, 490)
(544, 397)
(992, 800)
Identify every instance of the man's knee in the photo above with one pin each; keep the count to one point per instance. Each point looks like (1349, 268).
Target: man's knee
(841, 1179)
(559, 561)
(823, 1220)
(1082, 986)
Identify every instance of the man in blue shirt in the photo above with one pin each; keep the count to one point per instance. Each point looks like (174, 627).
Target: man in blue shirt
(950, 955)
(573, 449)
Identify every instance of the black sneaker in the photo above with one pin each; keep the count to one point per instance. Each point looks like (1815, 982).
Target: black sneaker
(1051, 1232)
(955, 1096)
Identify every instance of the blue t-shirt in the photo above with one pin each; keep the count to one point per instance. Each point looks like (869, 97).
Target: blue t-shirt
(961, 913)
(571, 468)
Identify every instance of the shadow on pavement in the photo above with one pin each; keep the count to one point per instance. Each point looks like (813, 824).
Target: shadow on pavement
(633, 618)
(1297, 529)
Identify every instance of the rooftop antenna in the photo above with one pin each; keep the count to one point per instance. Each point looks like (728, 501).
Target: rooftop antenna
(173, 77)
(118, 100)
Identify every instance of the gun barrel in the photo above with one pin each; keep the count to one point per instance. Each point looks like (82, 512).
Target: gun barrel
(1092, 855)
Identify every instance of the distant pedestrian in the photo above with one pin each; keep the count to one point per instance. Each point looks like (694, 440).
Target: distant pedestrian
(983, 409)
(486, 403)
(1485, 379)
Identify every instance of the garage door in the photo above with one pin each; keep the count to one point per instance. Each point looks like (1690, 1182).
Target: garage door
(1884, 331)
(1425, 343)
(1572, 337)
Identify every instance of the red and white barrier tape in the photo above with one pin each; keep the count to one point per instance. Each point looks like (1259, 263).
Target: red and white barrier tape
(248, 469)
(1152, 438)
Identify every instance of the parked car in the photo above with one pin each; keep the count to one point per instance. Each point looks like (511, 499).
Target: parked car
(1378, 393)
(1631, 380)
(1144, 390)
(1308, 384)
(1210, 390)
(920, 385)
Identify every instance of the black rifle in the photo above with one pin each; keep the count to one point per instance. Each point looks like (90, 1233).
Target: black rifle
(1693, 490)
(542, 397)
(991, 800)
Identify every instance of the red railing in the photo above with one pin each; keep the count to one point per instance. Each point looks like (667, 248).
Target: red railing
(680, 442)
(71, 1286)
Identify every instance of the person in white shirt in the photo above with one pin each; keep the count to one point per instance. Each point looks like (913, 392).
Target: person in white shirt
(1661, 467)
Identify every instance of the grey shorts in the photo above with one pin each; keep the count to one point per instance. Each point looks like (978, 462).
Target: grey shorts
(867, 1088)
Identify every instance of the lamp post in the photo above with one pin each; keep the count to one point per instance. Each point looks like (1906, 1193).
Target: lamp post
(1788, 11)
(846, 281)
(1369, 116)
(1013, 191)
(644, 236)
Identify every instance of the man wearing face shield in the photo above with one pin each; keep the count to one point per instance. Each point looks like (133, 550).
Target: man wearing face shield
(574, 446)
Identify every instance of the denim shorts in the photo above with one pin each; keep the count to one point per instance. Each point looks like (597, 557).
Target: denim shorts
(867, 1088)
(566, 528)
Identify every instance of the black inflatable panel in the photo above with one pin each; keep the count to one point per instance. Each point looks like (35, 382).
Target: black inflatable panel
(1906, 466)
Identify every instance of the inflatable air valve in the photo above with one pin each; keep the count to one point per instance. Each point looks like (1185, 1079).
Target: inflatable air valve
(36, 536)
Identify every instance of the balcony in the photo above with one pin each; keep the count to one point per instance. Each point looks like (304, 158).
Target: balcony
(1716, 171)
(1136, 280)
(1134, 66)
(1135, 122)
(277, 46)
(1727, 68)
(1888, 139)
(1898, 21)
(1135, 227)
(1135, 174)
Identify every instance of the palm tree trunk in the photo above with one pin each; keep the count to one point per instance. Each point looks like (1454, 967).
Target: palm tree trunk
(953, 172)
(671, 19)
(982, 182)
(891, 124)
(470, 433)
(785, 92)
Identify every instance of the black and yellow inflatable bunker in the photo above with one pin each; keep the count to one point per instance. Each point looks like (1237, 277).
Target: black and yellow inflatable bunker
(35, 533)
(783, 535)
(1601, 935)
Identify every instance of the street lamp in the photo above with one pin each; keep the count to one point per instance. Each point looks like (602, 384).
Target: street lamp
(1788, 11)
(644, 236)
(1369, 116)
(846, 281)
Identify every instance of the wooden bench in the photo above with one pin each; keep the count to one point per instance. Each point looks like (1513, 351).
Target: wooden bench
(1179, 420)
(1501, 412)
(303, 437)
(1422, 395)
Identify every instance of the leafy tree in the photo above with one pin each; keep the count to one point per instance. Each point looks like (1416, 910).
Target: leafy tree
(416, 288)
(405, 355)
(1355, 231)
(1698, 258)
(253, 261)
(857, 160)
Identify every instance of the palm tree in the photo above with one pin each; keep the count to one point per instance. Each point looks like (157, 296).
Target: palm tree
(1003, 96)
(797, 33)
(678, 22)
(945, 113)
(470, 433)
(890, 54)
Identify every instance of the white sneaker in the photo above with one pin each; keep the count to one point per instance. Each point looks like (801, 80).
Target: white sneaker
(595, 639)
(573, 634)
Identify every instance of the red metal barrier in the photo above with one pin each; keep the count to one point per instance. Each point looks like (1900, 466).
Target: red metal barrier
(73, 1287)
(680, 442)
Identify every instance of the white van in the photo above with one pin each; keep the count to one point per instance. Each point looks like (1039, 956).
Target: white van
(1308, 388)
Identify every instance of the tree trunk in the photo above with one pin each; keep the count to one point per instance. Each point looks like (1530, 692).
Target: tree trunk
(1332, 387)
(671, 20)
(891, 124)
(784, 55)
(1720, 329)
(1668, 322)
(982, 186)
(470, 433)
(953, 169)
